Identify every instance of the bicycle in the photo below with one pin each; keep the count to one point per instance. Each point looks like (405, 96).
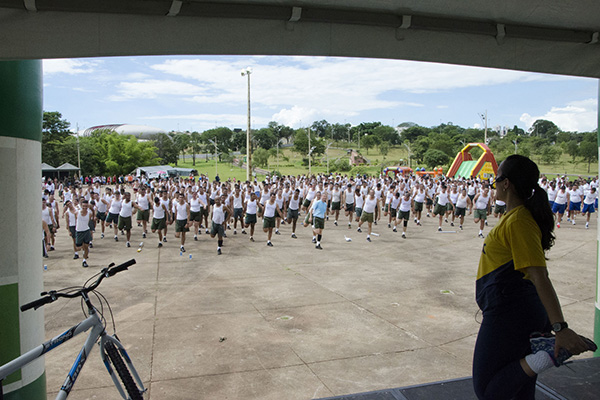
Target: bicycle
(111, 350)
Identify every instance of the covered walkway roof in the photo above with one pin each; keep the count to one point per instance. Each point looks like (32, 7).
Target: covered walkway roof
(552, 36)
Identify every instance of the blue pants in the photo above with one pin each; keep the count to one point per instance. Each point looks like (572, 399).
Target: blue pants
(503, 340)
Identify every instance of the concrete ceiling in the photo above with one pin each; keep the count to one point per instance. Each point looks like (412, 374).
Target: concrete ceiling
(553, 36)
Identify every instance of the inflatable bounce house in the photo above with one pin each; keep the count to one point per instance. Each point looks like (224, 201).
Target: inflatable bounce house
(397, 170)
(465, 167)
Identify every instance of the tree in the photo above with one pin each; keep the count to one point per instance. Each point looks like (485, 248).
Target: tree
(544, 129)
(340, 132)
(125, 153)
(413, 133)
(369, 142)
(166, 150)
(387, 134)
(55, 131)
(260, 157)
(195, 141)
(182, 142)
(434, 158)
(322, 128)
(264, 138)
(551, 154)
(589, 152)
(301, 144)
(572, 149)
(223, 137)
(384, 148)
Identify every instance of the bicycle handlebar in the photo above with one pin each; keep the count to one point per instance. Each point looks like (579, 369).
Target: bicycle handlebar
(51, 296)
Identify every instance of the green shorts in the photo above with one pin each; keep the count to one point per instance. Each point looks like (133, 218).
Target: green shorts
(393, 212)
(480, 214)
(499, 209)
(404, 215)
(418, 206)
(217, 229)
(306, 203)
(238, 213)
(335, 205)
(358, 212)
(268, 222)
(143, 215)
(158, 224)
(100, 215)
(180, 225)
(250, 219)
(386, 208)
(83, 237)
(460, 212)
(112, 218)
(124, 223)
(449, 207)
(196, 215)
(319, 223)
(349, 207)
(439, 209)
(204, 211)
(366, 217)
(292, 214)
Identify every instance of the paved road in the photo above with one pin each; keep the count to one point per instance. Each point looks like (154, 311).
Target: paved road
(299, 323)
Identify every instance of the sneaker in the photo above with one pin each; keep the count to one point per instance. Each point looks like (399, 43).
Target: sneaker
(461, 228)
(546, 344)
(440, 229)
(128, 244)
(251, 239)
(394, 229)
(196, 238)
(587, 225)
(389, 225)
(116, 238)
(84, 264)
(164, 239)
(451, 223)
(573, 222)
(375, 222)
(335, 223)
(159, 244)
(75, 256)
(415, 220)
(139, 224)
(419, 223)
(294, 236)
(318, 247)
(235, 231)
(314, 240)
(486, 224)
(349, 226)
(269, 244)
(144, 235)
(446, 220)
(182, 249)
(359, 230)
(91, 245)
(481, 235)
(102, 236)
(327, 218)
(568, 219)
(207, 232)
(428, 215)
(403, 235)
(51, 248)
(219, 251)
(122, 233)
(368, 239)
(224, 235)
(244, 232)
(277, 232)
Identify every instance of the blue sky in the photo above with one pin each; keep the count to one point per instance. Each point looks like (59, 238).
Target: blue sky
(199, 93)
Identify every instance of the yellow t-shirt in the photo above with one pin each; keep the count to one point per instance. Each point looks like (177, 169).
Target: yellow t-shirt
(511, 246)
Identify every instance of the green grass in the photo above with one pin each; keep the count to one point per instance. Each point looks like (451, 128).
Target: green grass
(293, 164)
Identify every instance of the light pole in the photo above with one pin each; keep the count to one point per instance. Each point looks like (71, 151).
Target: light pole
(216, 155)
(484, 118)
(247, 72)
(78, 154)
(309, 152)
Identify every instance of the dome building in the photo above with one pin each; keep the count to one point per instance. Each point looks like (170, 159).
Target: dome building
(143, 132)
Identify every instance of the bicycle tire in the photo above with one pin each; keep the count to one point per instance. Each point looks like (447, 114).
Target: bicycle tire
(123, 372)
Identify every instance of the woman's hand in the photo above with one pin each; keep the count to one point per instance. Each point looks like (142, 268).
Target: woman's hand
(571, 341)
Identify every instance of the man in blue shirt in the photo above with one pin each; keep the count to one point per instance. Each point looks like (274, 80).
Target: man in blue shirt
(317, 212)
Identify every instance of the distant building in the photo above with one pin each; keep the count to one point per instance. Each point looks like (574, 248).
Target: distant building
(139, 131)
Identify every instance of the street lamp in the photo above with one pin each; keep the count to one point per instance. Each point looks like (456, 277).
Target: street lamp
(247, 72)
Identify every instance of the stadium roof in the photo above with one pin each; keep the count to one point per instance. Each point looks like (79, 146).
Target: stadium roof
(139, 131)
(553, 36)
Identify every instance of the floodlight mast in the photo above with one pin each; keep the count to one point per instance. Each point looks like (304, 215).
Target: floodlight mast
(247, 72)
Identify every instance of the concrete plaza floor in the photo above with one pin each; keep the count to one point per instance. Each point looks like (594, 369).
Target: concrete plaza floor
(293, 322)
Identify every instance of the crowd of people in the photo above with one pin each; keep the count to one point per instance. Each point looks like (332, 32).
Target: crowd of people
(197, 205)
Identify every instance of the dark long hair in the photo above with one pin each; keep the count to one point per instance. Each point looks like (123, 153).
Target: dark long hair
(524, 174)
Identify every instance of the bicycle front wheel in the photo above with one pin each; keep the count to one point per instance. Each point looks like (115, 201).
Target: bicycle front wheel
(119, 365)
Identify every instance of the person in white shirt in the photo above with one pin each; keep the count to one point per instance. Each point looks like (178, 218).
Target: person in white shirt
(48, 218)
(371, 203)
(404, 207)
(575, 197)
(588, 205)
(159, 219)
(443, 203)
(143, 214)
(182, 219)
(83, 234)
(482, 204)
(218, 221)
(125, 214)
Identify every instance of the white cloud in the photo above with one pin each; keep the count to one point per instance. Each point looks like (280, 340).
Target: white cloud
(69, 66)
(203, 122)
(153, 88)
(579, 116)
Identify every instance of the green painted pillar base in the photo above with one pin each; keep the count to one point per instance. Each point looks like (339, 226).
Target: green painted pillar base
(35, 390)
(597, 331)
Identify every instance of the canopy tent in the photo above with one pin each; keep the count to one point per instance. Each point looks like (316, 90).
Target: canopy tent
(67, 167)
(47, 167)
(163, 171)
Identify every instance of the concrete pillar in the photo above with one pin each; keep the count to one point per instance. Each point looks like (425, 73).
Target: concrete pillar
(21, 271)
(597, 315)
